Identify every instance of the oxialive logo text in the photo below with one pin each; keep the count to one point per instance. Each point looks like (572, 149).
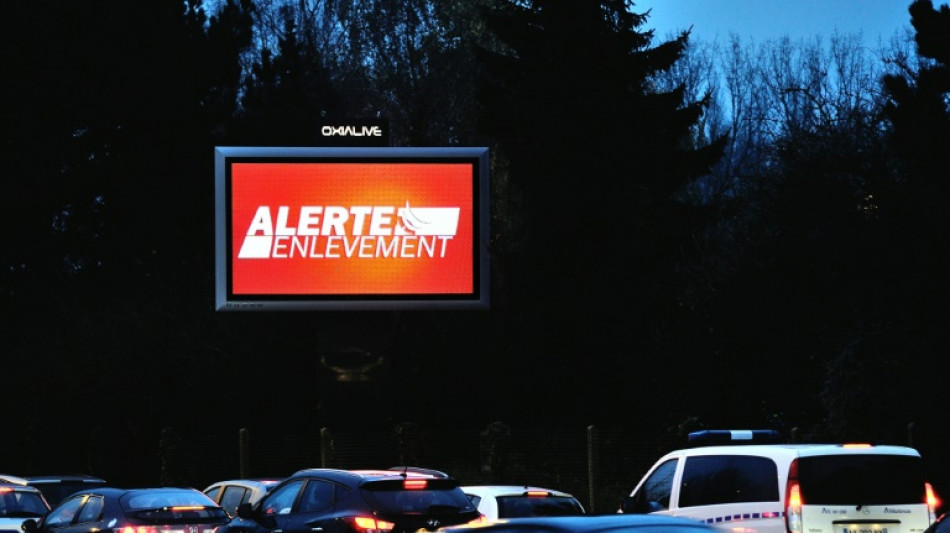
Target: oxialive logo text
(362, 232)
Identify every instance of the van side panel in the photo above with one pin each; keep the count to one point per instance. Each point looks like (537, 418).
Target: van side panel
(736, 492)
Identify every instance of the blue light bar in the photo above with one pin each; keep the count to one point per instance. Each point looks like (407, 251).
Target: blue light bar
(727, 436)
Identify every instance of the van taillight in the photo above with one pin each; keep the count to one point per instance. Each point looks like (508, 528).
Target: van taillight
(793, 500)
(932, 502)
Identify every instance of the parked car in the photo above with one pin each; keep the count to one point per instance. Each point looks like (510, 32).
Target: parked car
(56, 488)
(18, 503)
(611, 523)
(149, 510)
(940, 525)
(513, 501)
(357, 501)
(746, 480)
(233, 492)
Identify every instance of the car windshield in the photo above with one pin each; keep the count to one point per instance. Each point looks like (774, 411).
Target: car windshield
(862, 480)
(394, 498)
(521, 506)
(21, 504)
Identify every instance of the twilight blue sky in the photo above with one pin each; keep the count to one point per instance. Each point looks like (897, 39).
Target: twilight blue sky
(761, 20)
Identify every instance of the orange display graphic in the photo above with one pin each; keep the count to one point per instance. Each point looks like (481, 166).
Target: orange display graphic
(352, 228)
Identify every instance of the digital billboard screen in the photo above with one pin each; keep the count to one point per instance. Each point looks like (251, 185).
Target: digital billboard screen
(351, 228)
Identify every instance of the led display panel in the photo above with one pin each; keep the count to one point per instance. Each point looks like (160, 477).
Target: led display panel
(351, 228)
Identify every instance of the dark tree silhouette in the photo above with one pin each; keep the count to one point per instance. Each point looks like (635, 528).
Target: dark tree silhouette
(601, 160)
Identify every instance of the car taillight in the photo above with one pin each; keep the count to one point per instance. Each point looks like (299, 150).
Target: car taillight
(537, 493)
(139, 529)
(368, 524)
(932, 502)
(153, 529)
(414, 484)
(793, 500)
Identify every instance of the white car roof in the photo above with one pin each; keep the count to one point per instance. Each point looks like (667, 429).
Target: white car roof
(508, 490)
(16, 480)
(791, 451)
(249, 483)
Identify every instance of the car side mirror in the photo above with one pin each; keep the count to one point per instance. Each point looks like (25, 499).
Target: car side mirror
(244, 510)
(29, 526)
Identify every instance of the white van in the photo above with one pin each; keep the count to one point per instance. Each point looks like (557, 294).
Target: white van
(737, 484)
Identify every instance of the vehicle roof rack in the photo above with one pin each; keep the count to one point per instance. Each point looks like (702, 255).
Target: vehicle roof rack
(710, 437)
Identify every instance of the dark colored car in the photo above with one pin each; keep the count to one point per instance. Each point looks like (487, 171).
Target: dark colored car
(56, 488)
(613, 523)
(18, 503)
(940, 525)
(357, 501)
(112, 510)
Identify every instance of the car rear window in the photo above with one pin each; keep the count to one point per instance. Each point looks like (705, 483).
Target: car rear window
(438, 495)
(715, 479)
(522, 506)
(861, 479)
(169, 506)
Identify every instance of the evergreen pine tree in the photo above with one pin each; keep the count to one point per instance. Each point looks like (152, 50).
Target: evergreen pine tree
(602, 160)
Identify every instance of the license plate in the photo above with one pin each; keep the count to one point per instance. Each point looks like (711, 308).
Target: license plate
(867, 528)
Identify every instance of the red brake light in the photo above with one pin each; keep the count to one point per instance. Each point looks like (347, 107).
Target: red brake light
(6, 489)
(541, 493)
(139, 529)
(368, 524)
(188, 508)
(794, 495)
(932, 500)
(857, 445)
(414, 484)
(793, 500)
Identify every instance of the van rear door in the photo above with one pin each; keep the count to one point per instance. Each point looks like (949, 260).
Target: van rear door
(863, 493)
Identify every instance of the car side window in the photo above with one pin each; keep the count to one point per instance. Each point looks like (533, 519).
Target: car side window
(213, 493)
(716, 479)
(91, 510)
(317, 496)
(656, 490)
(281, 501)
(232, 497)
(64, 514)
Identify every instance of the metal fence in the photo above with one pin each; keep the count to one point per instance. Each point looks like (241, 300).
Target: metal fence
(599, 465)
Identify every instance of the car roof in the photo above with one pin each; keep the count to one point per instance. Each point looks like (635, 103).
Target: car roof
(15, 480)
(791, 451)
(249, 483)
(19, 487)
(116, 492)
(509, 490)
(59, 478)
(355, 476)
(582, 523)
